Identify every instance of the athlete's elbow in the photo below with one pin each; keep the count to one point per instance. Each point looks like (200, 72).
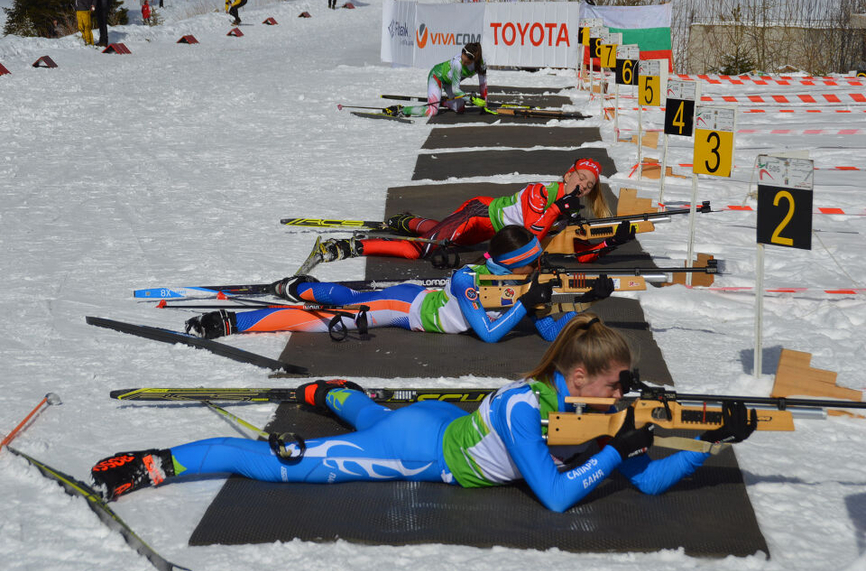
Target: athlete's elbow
(557, 505)
(490, 338)
(652, 488)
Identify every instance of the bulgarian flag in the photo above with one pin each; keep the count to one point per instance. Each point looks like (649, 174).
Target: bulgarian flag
(647, 26)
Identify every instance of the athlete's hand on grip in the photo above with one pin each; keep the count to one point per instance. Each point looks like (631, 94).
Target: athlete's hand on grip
(737, 424)
(624, 233)
(537, 294)
(631, 441)
(602, 287)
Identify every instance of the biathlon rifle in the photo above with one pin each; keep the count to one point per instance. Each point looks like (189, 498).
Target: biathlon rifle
(580, 228)
(571, 286)
(668, 409)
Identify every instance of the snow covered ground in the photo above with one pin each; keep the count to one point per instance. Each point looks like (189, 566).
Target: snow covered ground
(173, 166)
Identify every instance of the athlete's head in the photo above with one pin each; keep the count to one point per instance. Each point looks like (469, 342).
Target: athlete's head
(589, 355)
(582, 179)
(471, 54)
(513, 250)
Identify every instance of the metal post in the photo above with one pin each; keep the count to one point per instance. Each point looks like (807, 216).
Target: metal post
(664, 169)
(692, 215)
(759, 308)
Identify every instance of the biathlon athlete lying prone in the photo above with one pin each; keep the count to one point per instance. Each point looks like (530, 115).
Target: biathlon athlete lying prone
(434, 441)
(536, 207)
(454, 309)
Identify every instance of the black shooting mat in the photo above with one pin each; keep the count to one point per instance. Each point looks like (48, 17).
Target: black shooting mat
(476, 115)
(465, 164)
(396, 353)
(516, 136)
(707, 514)
(514, 90)
(439, 200)
(391, 353)
(541, 101)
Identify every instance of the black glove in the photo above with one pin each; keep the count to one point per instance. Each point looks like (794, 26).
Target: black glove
(315, 393)
(630, 441)
(537, 294)
(569, 204)
(737, 424)
(624, 233)
(602, 287)
(393, 110)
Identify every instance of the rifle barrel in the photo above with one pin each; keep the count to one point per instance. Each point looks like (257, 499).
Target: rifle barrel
(779, 403)
(704, 207)
(797, 412)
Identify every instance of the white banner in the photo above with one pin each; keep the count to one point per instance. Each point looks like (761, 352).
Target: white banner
(528, 34)
(398, 32)
(441, 30)
(531, 34)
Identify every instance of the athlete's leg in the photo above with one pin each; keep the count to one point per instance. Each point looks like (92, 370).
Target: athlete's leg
(356, 408)
(387, 308)
(434, 95)
(404, 445)
(336, 294)
(456, 105)
(468, 225)
(392, 248)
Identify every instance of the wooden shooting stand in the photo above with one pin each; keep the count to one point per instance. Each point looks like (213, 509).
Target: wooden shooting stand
(652, 170)
(629, 203)
(698, 279)
(650, 139)
(795, 377)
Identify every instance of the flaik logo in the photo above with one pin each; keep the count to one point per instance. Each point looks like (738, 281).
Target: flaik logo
(396, 28)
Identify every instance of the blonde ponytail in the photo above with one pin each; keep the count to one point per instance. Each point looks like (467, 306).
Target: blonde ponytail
(584, 341)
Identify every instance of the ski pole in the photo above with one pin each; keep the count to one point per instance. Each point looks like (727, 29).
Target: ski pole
(236, 419)
(340, 107)
(276, 441)
(49, 399)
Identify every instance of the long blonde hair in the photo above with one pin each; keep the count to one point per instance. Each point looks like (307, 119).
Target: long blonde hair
(584, 341)
(597, 203)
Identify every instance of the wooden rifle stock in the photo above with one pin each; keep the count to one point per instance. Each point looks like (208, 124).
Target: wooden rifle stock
(563, 243)
(580, 427)
(497, 292)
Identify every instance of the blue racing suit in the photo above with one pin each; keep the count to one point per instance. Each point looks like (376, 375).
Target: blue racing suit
(433, 441)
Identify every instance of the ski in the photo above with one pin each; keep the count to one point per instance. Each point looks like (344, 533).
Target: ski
(381, 115)
(314, 259)
(200, 291)
(285, 394)
(405, 97)
(227, 292)
(75, 487)
(335, 223)
(221, 349)
(543, 113)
